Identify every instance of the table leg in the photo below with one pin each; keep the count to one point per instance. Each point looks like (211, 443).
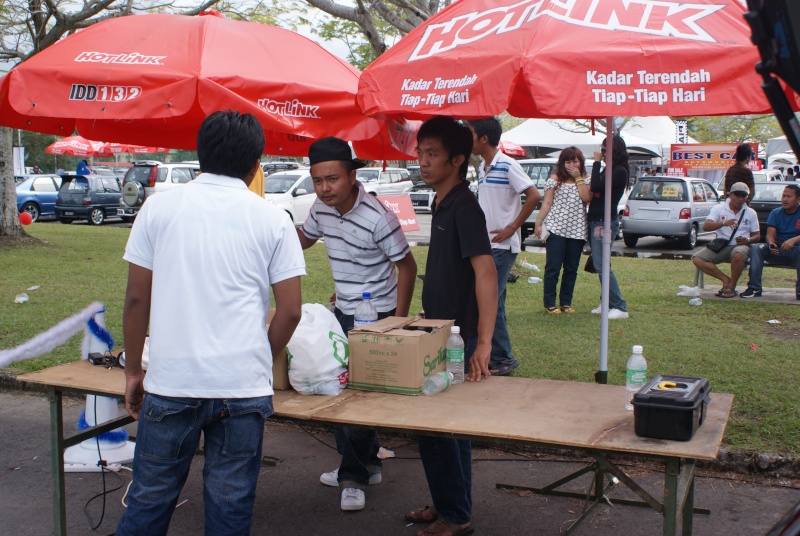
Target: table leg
(673, 469)
(688, 508)
(57, 457)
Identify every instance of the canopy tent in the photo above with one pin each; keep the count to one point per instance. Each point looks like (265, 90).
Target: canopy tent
(777, 145)
(781, 160)
(558, 134)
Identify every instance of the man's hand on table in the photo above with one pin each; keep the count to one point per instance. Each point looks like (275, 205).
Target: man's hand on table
(479, 362)
(134, 394)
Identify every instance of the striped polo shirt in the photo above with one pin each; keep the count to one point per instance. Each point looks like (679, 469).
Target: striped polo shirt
(362, 247)
(499, 190)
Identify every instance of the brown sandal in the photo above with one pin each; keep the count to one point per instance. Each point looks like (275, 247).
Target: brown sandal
(442, 526)
(727, 292)
(418, 515)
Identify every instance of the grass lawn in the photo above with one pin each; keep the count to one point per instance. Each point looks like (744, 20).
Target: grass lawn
(78, 264)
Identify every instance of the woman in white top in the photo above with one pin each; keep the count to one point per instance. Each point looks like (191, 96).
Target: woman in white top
(564, 214)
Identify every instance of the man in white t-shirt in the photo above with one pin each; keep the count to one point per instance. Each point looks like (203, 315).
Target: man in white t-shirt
(202, 261)
(732, 214)
(501, 182)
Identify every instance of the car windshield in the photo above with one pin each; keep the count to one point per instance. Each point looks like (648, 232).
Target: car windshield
(539, 172)
(279, 184)
(659, 190)
(769, 192)
(367, 175)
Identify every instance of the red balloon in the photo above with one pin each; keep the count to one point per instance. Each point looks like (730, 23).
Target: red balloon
(25, 218)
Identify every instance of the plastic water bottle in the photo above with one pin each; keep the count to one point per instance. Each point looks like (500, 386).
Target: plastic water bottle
(437, 383)
(455, 355)
(695, 301)
(636, 375)
(534, 280)
(366, 313)
(528, 266)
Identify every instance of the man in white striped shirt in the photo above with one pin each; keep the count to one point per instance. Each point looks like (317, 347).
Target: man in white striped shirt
(365, 244)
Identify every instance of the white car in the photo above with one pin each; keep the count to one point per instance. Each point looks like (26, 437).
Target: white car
(292, 191)
(148, 177)
(389, 181)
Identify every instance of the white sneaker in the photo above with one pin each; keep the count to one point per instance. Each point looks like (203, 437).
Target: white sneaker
(616, 313)
(353, 499)
(332, 478)
(597, 310)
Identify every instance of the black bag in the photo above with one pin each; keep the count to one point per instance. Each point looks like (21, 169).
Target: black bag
(589, 266)
(717, 244)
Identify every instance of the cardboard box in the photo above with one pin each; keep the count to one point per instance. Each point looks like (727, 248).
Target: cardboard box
(280, 365)
(396, 354)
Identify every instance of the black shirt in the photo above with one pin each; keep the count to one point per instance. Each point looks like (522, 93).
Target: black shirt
(619, 181)
(458, 232)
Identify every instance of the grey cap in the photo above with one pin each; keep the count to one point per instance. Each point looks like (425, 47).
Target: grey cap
(739, 187)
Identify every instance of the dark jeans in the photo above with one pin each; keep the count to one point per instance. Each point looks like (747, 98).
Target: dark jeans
(501, 341)
(566, 253)
(760, 253)
(615, 300)
(167, 437)
(358, 446)
(448, 467)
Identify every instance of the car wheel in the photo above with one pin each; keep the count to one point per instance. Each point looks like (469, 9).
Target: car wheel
(690, 240)
(630, 239)
(33, 210)
(97, 216)
(65, 220)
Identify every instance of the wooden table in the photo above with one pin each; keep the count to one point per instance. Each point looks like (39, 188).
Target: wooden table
(586, 417)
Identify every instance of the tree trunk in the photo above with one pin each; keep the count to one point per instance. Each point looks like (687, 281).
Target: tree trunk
(9, 219)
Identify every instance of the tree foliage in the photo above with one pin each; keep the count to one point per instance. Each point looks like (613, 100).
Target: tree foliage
(734, 128)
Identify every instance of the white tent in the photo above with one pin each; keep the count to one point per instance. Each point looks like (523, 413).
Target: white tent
(781, 160)
(777, 145)
(556, 134)
(661, 129)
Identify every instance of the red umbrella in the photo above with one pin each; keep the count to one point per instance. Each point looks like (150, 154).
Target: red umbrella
(511, 149)
(74, 146)
(577, 59)
(109, 149)
(152, 79)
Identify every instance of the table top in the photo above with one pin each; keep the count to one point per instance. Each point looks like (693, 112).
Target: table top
(568, 414)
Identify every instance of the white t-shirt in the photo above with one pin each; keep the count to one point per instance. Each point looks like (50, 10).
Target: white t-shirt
(722, 212)
(214, 249)
(499, 189)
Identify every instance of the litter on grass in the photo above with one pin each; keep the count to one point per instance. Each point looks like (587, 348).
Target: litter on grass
(21, 298)
(688, 291)
(773, 321)
(34, 287)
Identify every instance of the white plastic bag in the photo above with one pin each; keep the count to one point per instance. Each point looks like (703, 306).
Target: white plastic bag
(318, 353)
(692, 292)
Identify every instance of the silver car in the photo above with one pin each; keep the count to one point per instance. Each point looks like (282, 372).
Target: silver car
(671, 207)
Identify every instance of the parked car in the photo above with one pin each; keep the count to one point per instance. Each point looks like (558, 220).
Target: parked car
(274, 167)
(87, 197)
(148, 177)
(36, 195)
(421, 197)
(292, 191)
(671, 207)
(413, 171)
(766, 198)
(768, 175)
(389, 181)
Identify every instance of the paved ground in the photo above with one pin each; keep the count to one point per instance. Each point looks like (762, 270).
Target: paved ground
(291, 501)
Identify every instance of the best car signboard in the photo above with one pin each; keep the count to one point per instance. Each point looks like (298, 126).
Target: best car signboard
(708, 156)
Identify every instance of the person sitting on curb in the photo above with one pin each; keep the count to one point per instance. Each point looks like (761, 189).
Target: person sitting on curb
(783, 242)
(723, 219)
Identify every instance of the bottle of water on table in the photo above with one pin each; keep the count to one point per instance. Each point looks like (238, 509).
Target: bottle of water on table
(437, 383)
(365, 312)
(455, 355)
(636, 375)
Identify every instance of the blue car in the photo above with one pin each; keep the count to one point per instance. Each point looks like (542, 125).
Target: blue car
(37, 194)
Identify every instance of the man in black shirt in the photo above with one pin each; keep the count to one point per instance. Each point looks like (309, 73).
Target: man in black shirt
(461, 284)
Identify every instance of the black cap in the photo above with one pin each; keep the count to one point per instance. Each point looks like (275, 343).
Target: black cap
(331, 148)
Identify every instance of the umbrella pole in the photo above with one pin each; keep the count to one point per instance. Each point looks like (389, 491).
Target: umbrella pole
(601, 376)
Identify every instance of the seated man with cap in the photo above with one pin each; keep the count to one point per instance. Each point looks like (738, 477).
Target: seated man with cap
(734, 220)
(365, 244)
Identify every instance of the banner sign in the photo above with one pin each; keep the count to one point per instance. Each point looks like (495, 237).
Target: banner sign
(402, 207)
(708, 156)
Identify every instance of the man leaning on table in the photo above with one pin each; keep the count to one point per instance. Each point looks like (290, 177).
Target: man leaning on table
(202, 261)
(783, 242)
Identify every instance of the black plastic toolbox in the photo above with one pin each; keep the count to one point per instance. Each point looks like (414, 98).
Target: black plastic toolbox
(671, 407)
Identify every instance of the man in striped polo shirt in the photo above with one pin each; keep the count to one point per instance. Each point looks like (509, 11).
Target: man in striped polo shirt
(501, 182)
(365, 244)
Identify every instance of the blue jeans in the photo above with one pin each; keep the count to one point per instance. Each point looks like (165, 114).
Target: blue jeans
(501, 342)
(358, 446)
(760, 253)
(448, 466)
(615, 300)
(167, 437)
(566, 253)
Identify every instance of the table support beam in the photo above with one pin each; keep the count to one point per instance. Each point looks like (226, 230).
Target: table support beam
(57, 457)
